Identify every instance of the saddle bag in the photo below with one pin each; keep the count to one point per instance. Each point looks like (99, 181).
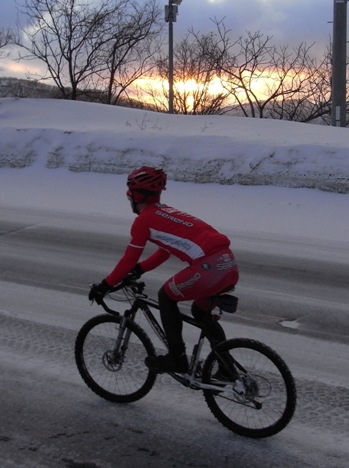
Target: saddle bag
(226, 303)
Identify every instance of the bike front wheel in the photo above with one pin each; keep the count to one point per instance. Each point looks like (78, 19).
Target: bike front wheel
(114, 372)
(258, 393)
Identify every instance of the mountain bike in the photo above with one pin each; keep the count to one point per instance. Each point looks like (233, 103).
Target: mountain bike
(246, 385)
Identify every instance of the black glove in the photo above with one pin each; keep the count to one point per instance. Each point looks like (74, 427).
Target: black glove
(136, 273)
(98, 291)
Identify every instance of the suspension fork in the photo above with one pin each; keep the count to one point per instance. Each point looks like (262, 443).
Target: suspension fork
(124, 333)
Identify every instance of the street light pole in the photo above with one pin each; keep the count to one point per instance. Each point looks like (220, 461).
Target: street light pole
(171, 11)
(170, 67)
(339, 64)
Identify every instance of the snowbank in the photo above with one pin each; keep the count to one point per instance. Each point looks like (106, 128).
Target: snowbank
(85, 137)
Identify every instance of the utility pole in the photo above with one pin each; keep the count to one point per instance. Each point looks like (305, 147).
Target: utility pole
(171, 11)
(339, 64)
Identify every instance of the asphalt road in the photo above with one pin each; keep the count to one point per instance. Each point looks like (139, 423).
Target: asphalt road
(293, 295)
(281, 279)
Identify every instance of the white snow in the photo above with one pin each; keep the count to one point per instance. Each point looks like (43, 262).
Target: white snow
(78, 151)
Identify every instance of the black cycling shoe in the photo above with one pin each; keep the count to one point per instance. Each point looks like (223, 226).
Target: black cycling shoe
(168, 363)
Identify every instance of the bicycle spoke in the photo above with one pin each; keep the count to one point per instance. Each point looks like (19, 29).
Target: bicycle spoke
(114, 374)
(261, 400)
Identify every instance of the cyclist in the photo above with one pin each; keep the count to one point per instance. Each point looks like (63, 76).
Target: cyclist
(212, 267)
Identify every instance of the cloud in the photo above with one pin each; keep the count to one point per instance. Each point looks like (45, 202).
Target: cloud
(19, 70)
(288, 21)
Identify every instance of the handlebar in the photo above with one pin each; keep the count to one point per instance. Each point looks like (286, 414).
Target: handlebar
(136, 286)
(131, 285)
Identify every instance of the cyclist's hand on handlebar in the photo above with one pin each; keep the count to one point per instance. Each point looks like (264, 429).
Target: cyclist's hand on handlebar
(98, 291)
(136, 273)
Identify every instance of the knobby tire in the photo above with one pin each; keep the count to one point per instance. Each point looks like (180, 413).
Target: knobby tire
(271, 409)
(119, 380)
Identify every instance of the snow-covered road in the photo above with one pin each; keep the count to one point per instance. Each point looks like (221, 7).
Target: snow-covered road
(50, 418)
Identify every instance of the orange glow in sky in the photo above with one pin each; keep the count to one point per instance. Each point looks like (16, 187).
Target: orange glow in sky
(18, 70)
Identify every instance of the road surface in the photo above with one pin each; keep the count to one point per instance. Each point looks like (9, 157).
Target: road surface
(293, 296)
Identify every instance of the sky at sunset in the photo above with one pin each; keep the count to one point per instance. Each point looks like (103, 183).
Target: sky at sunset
(288, 21)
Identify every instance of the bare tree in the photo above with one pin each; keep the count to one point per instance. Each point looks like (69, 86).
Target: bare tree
(64, 35)
(78, 39)
(266, 81)
(130, 51)
(194, 77)
(312, 100)
(260, 74)
(6, 38)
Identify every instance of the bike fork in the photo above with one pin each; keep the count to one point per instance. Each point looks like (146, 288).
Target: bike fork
(123, 337)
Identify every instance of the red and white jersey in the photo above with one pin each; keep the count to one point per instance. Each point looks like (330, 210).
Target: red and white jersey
(179, 233)
(175, 232)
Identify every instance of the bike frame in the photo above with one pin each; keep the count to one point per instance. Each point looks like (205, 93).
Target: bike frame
(143, 303)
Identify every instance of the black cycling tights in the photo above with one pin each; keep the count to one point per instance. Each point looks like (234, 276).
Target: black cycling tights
(211, 326)
(173, 325)
(172, 322)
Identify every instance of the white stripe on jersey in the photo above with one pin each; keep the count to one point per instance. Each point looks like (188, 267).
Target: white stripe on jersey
(178, 243)
(136, 246)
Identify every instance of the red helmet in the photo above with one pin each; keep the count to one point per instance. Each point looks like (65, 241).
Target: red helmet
(147, 180)
(145, 185)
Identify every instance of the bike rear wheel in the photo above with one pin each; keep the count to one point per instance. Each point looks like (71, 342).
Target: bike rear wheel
(260, 399)
(116, 375)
